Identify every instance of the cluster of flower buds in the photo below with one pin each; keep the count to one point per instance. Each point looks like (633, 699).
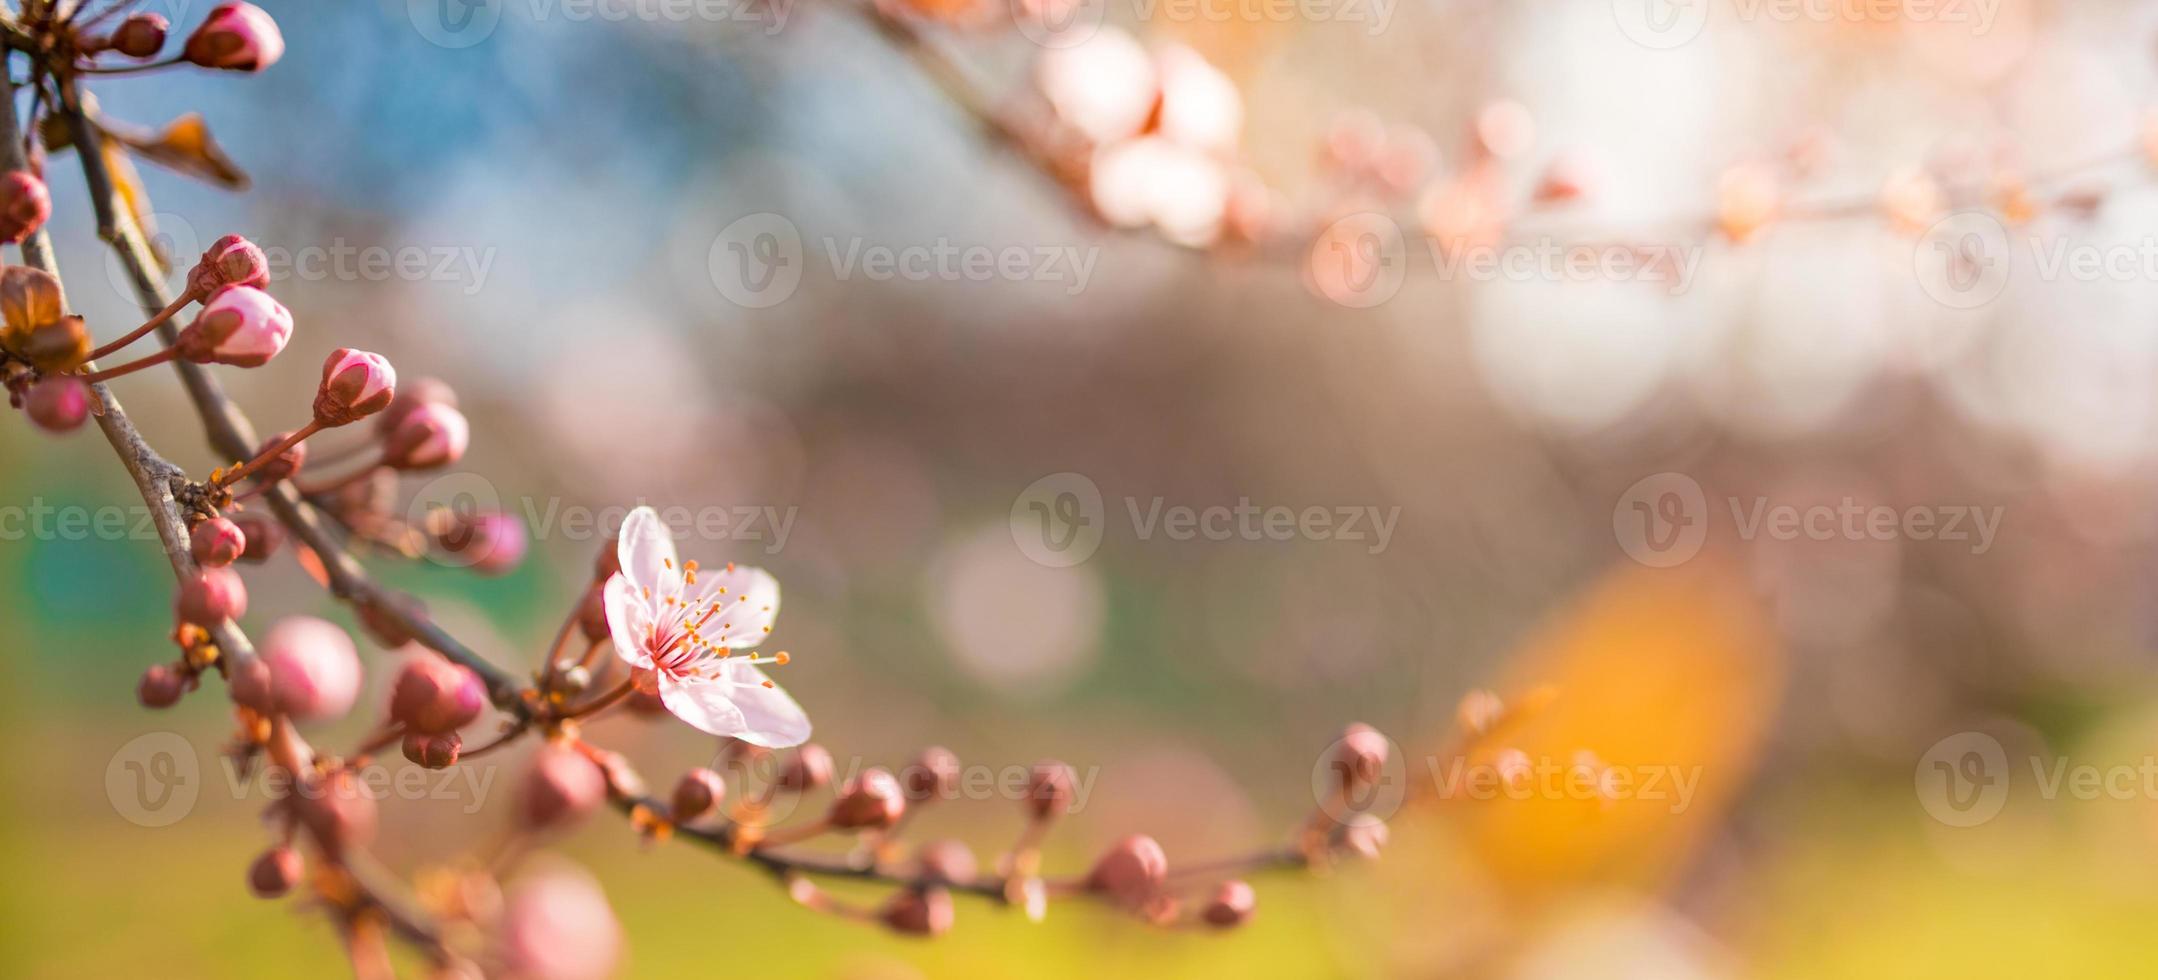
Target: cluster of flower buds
(234, 37)
(432, 698)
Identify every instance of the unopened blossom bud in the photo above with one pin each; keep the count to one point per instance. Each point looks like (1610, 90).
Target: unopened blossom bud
(430, 436)
(1360, 756)
(432, 695)
(1131, 872)
(355, 384)
(216, 542)
(433, 751)
(275, 872)
(161, 686)
(411, 395)
(560, 787)
(211, 596)
(141, 35)
(1049, 789)
(697, 793)
(263, 535)
(809, 768)
(239, 325)
(237, 37)
(314, 670)
(947, 861)
(59, 404)
(24, 205)
(934, 773)
(556, 925)
(251, 687)
(489, 542)
(592, 614)
(1232, 904)
(873, 799)
(338, 809)
(230, 261)
(919, 912)
(59, 346)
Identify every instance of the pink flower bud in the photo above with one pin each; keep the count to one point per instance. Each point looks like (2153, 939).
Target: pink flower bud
(873, 799)
(947, 861)
(24, 205)
(592, 614)
(239, 325)
(1365, 838)
(275, 872)
(433, 696)
(211, 596)
(262, 532)
(430, 436)
(489, 542)
(161, 686)
(561, 787)
(556, 926)
(1131, 872)
(919, 912)
(433, 751)
(230, 261)
(237, 37)
(1232, 904)
(141, 35)
(355, 384)
(216, 542)
(934, 773)
(411, 395)
(1049, 789)
(338, 809)
(314, 670)
(809, 768)
(58, 404)
(697, 793)
(1360, 756)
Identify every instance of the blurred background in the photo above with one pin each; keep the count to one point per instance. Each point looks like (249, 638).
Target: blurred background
(1579, 478)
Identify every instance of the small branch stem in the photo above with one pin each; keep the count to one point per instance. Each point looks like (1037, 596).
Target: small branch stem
(268, 455)
(152, 360)
(148, 325)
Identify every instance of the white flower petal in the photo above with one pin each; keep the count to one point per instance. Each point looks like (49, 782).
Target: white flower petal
(646, 551)
(747, 607)
(770, 717)
(705, 703)
(627, 620)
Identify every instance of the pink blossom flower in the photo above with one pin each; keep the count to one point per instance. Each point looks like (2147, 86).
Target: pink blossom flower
(236, 36)
(684, 624)
(239, 325)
